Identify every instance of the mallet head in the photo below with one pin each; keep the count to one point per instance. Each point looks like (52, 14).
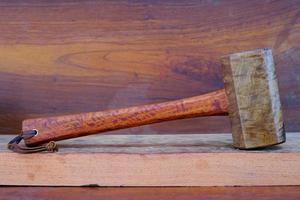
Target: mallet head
(253, 99)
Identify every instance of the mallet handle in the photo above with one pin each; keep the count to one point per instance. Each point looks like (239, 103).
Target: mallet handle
(76, 125)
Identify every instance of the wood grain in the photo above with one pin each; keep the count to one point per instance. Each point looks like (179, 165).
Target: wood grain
(147, 193)
(64, 57)
(71, 126)
(153, 160)
(254, 104)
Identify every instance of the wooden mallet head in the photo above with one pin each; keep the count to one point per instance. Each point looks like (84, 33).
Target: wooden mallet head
(250, 98)
(253, 99)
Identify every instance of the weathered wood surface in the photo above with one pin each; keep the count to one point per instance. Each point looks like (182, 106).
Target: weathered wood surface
(147, 193)
(72, 56)
(82, 124)
(155, 144)
(253, 99)
(153, 160)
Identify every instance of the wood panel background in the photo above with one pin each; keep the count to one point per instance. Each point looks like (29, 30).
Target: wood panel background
(59, 57)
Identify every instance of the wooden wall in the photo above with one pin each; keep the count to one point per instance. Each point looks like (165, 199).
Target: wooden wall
(59, 57)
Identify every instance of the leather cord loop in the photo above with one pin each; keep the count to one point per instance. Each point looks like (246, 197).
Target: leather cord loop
(14, 144)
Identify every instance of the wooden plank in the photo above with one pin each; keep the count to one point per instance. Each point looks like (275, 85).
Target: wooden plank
(146, 193)
(153, 160)
(68, 56)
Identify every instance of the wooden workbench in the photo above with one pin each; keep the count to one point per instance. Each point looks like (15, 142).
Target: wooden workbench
(153, 160)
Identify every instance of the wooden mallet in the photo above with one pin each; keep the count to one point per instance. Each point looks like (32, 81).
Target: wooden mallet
(250, 98)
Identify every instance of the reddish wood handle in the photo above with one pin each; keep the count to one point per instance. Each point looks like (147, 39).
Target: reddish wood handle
(71, 126)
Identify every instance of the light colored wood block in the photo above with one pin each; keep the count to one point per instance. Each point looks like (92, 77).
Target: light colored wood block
(153, 160)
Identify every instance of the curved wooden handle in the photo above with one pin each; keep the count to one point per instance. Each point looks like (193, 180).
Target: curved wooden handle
(76, 125)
